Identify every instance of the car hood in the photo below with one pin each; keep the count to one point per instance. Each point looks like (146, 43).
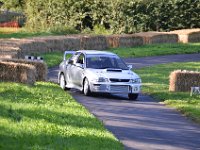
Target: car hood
(111, 73)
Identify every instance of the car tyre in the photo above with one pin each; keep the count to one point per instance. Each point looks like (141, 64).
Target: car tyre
(132, 96)
(63, 82)
(86, 87)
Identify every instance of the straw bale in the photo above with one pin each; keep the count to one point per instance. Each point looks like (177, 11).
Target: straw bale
(41, 67)
(115, 41)
(72, 43)
(188, 35)
(15, 72)
(63, 43)
(94, 42)
(9, 48)
(158, 37)
(182, 81)
(32, 47)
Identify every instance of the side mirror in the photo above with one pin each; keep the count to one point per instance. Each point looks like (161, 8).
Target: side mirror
(70, 61)
(130, 67)
(79, 65)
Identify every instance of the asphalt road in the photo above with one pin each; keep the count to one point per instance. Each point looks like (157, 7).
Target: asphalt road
(144, 124)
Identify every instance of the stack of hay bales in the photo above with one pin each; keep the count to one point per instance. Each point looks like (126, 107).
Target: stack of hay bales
(182, 81)
(15, 72)
(9, 48)
(115, 41)
(40, 67)
(188, 35)
(72, 43)
(158, 37)
(31, 46)
(94, 42)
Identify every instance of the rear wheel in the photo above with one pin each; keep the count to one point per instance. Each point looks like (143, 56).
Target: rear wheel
(132, 96)
(63, 82)
(86, 87)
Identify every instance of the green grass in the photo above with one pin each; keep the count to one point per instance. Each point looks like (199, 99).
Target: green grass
(53, 58)
(156, 83)
(24, 33)
(46, 117)
(157, 49)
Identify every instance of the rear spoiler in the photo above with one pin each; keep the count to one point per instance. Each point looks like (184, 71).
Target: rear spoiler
(68, 52)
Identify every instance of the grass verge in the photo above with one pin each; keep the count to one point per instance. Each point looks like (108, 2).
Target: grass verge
(156, 83)
(157, 50)
(45, 117)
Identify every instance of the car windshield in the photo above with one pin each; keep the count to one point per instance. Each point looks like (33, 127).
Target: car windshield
(105, 62)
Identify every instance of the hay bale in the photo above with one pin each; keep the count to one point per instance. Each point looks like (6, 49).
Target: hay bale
(9, 49)
(41, 67)
(158, 37)
(188, 35)
(182, 81)
(72, 43)
(32, 46)
(15, 72)
(115, 41)
(94, 42)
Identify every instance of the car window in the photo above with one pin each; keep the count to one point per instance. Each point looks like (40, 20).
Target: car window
(80, 59)
(74, 58)
(104, 62)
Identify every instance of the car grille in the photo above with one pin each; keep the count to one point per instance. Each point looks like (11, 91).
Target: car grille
(119, 88)
(119, 80)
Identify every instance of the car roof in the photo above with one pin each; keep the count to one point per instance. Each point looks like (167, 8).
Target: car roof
(95, 52)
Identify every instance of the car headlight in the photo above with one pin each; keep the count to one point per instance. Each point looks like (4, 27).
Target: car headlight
(137, 80)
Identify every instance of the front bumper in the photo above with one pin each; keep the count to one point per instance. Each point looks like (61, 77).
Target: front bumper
(120, 88)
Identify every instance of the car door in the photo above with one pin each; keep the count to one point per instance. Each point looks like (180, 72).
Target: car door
(71, 68)
(78, 70)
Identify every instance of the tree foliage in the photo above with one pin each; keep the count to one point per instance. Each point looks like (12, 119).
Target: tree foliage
(118, 16)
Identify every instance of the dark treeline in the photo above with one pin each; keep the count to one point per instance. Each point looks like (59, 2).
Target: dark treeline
(118, 16)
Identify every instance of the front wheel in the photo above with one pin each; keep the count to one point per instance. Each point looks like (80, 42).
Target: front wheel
(86, 87)
(63, 82)
(132, 96)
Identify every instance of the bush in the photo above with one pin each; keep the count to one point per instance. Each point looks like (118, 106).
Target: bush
(121, 16)
(63, 30)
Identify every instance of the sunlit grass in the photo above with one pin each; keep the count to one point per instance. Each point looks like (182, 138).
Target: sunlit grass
(20, 33)
(46, 117)
(9, 30)
(157, 49)
(53, 58)
(156, 83)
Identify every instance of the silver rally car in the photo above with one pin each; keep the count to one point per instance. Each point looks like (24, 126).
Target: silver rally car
(98, 71)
